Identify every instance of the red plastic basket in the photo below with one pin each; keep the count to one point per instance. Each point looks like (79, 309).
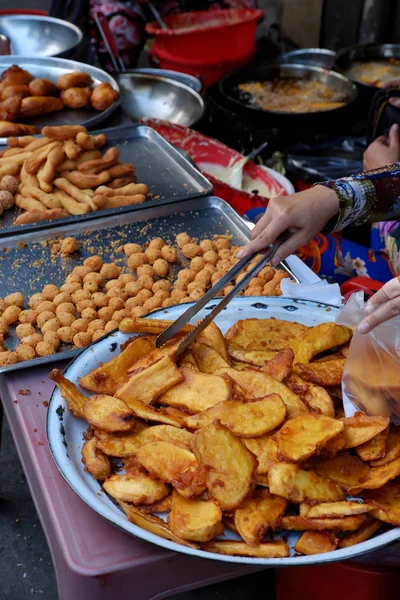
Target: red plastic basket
(24, 11)
(208, 37)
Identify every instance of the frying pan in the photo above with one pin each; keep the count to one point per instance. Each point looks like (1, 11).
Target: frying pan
(365, 52)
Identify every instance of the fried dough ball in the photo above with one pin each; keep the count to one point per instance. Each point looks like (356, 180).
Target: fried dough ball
(50, 291)
(78, 296)
(81, 270)
(69, 245)
(135, 260)
(161, 267)
(191, 250)
(32, 340)
(35, 300)
(100, 299)
(195, 285)
(9, 183)
(182, 239)
(131, 303)
(168, 302)
(206, 245)
(104, 313)
(66, 334)
(73, 278)
(15, 299)
(97, 334)
(203, 277)
(65, 307)
(185, 299)
(82, 339)
(216, 277)
(211, 257)
(94, 263)
(92, 276)
(91, 286)
(45, 349)
(6, 200)
(110, 271)
(81, 324)
(66, 319)
(147, 281)
(76, 97)
(70, 288)
(152, 254)
(8, 358)
(144, 295)
(130, 249)
(46, 306)
(24, 329)
(24, 352)
(153, 303)
(228, 289)
(113, 283)
(253, 291)
(180, 284)
(127, 278)
(95, 325)
(138, 311)
(267, 273)
(197, 263)
(52, 337)
(83, 304)
(28, 316)
(117, 293)
(145, 270)
(89, 313)
(119, 315)
(210, 268)
(133, 288)
(110, 326)
(50, 325)
(222, 243)
(11, 314)
(157, 243)
(223, 266)
(116, 304)
(197, 293)
(186, 275)
(161, 284)
(43, 317)
(224, 254)
(64, 297)
(177, 295)
(169, 254)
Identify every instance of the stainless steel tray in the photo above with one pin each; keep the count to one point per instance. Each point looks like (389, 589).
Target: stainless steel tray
(169, 175)
(52, 68)
(26, 263)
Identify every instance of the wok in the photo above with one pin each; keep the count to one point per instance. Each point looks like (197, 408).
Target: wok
(362, 53)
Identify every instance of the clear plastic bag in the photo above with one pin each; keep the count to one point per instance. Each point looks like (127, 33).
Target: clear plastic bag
(371, 378)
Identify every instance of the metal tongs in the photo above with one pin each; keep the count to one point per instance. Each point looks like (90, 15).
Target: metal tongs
(173, 329)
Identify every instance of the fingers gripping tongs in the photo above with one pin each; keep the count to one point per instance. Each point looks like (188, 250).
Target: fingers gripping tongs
(173, 329)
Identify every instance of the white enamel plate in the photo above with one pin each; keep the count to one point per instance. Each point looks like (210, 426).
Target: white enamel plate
(65, 432)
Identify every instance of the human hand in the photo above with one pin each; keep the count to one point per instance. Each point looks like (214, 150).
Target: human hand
(304, 214)
(382, 306)
(383, 151)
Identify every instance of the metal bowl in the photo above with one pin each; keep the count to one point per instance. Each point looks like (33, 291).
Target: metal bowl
(40, 36)
(158, 97)
(184, 78)
(319, 57)
(363, 53)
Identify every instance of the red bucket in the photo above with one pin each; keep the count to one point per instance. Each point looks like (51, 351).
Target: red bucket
(208, 36)
(208, 73)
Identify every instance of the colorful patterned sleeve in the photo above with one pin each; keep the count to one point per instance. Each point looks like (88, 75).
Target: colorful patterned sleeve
(368, 197)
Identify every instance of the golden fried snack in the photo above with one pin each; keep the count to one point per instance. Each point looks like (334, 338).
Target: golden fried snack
(83, 180)
(10, 108)
(15, 90)
(73, 191)
(9, 169)
(48, 200)
(100, 164)
(76, 97)
(71, 165)
(35, 159)
(121, 181)
(91, 142)
(74, 79)
(35, 106)
(28, 203)
(72, 150)
(131, 189)
(103, 96)
(37, 143)
(44, 185)
(28, 179)
(54, 158)
(117, 201)
(14, 75)
(16, 159)
(31, 216)
(277, 549)
(121, 170)
(42, 87)
(71, 205)
(62, 133)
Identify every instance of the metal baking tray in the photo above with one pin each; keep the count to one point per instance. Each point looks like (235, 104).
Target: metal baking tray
(168, 174)
(30, 254)
(52, 68)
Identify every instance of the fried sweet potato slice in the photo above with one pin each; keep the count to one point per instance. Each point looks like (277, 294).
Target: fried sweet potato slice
(96, 463)
(163, 506)
(229, 466)
(158, 415)
(303, 436)
(173, 464)
(126, 445)
(328, 357)
(281, 365)
(361, 534)
(195, 520)
(290, 482)
(74, 398)
(332, 510)
(108, 413)
(248, 419)
(118, 445)
(319, 400)
(258, 513)
(325, 374)
(256, 384)
(360, 428)
(344, 469)
(152, 524)
(319, 339)
(149, 384)
(392, 448)
(316, 542)
(277, 549)
(375, 448)
(108, 377)
(334, 446)
(212, 336)
(152, 326)
(169, 350)
(386, 503)
(378, 476)
(188, 362)
(292, 523)
(137, 488)
(256, 358)
(197, 391)
(264, 334)
(207, 359)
